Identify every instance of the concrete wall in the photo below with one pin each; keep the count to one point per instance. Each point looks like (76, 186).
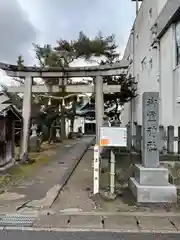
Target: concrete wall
(145, 66)
(166, 82)
(128, 55)
(154, 69)
(176, 92)
(160, 4)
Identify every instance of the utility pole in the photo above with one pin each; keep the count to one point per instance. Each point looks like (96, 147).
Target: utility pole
(133, 70)
(137, 7)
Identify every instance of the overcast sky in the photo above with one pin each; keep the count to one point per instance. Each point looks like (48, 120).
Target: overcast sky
(45, 21)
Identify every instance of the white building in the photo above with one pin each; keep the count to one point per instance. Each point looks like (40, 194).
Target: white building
(153, 49)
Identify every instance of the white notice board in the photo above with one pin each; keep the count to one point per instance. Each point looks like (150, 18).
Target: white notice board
(113, 136)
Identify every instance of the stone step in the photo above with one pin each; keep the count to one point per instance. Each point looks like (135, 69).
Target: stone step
(153, 194)
(151, 176)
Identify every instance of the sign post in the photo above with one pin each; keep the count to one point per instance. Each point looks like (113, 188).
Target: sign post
(112, 137)
(96, 169)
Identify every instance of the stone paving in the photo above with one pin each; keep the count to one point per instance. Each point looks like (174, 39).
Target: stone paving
(75, 209)
(125, 202)
(85, 235)
(76, 194)
(125, 223)
(41, 191)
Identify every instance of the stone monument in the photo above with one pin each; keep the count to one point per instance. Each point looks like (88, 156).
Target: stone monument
(151, 181)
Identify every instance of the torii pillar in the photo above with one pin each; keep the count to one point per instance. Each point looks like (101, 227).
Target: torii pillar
(26, 113)
(99, 106)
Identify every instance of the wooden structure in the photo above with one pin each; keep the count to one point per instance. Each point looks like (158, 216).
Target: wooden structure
(8, 116)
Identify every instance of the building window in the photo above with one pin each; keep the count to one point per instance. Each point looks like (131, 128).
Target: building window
(137, 77)
(178, 43)
(143, 64)
(150, 13)
(137, 39)
(150, 63)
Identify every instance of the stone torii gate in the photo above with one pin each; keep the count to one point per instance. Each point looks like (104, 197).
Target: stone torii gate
(96, 72)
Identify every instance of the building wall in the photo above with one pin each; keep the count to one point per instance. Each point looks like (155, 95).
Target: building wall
(166, 82)
(145, 66)
(128, 55)
(176, 92)
(154, 69)
(160, 4)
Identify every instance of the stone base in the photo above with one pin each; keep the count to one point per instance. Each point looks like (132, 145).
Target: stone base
(151, 176)
(7, 165)
(34, 144)
(153, 194)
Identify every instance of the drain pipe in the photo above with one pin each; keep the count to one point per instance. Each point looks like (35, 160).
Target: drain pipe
(132, 101)
(137, 7)
(158, 49)
(159, 80)
(133, 73)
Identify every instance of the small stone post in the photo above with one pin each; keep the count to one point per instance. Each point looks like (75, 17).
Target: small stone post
(178, 140)
(162, 148)
(175, 139)
(138, 137)
(170, 141)
(129, 137)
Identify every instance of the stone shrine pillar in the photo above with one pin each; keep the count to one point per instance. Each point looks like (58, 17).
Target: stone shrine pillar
(150, 120)
(151, 181)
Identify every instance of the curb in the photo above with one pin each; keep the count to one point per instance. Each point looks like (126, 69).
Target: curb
(122, 214)
(70, 170)
(89, 229)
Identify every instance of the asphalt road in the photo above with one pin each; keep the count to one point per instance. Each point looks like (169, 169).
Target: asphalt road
(42, 235)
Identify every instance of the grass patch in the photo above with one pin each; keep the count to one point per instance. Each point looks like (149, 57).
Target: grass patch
(19, 172)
